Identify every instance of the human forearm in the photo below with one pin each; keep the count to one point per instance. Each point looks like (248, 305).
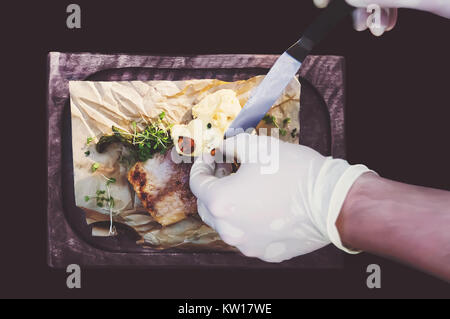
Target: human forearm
(405, 222)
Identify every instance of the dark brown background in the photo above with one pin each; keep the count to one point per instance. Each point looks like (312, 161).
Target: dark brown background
(397, 123)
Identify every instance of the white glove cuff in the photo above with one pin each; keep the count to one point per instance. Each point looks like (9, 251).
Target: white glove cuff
(338, 197)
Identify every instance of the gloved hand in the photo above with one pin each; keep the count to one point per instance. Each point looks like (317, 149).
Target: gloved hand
(439, 7)
(278, 213)
(389, 12)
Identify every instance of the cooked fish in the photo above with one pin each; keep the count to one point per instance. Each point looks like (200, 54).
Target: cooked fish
(163, 188)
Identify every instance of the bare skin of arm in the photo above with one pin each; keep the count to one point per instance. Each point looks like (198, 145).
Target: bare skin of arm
(407, 223)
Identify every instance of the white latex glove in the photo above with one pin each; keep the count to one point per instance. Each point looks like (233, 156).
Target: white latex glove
(276, 216)
(439, 7)
(389, 12)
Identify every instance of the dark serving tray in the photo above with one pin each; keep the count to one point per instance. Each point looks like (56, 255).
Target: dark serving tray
(69, 237)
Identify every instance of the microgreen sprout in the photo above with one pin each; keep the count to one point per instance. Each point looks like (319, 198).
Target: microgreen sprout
(154, 138)
(95, 167)
(110, 181)
(286, 121)
(101, 198)
(294, 133)
(271, 120)
(104, 200)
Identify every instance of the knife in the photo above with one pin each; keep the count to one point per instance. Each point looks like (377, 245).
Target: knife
(285, 68)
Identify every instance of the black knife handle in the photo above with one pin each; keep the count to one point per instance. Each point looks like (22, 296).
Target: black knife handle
(336, 11)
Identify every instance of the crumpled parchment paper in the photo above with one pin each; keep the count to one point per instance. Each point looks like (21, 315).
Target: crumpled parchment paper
(97, 106)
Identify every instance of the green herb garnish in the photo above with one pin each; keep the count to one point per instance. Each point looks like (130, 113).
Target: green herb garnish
(294, 133)
(89, 140)
(101, 198)
(270, 119)
(111, 202)
(155, 138)
(87, 153)
(286, 121)
(95, 167)
(104, 200)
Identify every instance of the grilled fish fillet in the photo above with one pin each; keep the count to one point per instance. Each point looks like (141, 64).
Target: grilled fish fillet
(163, 188)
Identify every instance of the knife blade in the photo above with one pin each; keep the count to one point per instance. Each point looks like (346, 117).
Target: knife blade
(285, 67)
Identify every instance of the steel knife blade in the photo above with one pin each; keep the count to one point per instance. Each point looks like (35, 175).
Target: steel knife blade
(285, 68)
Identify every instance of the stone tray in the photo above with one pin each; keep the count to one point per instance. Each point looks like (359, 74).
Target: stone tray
(69, 237)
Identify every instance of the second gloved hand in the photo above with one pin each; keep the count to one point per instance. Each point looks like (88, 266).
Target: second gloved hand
(386, 22)
(439, 7)
(389, 12)
(282, 202)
